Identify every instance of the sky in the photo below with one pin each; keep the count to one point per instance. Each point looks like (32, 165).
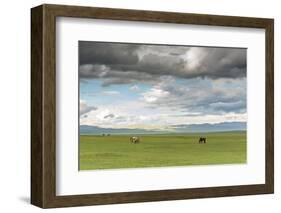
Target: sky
(157, 87)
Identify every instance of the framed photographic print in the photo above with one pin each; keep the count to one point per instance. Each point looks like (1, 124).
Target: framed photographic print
(137, 106)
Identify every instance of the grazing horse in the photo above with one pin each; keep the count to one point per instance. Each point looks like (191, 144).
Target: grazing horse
(202, 140)
(134, 139)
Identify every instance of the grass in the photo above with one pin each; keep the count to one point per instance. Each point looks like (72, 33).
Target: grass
(116, 151)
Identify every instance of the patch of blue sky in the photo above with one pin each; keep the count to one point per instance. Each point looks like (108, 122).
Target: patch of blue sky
(94, 93)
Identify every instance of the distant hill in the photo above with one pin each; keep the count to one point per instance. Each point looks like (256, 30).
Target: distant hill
(84, 129)
(188, 128)
(219, 127)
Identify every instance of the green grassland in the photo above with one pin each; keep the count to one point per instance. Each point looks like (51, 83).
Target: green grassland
(116, 151)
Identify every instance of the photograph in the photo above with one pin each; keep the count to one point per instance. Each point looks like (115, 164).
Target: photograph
(159, 105)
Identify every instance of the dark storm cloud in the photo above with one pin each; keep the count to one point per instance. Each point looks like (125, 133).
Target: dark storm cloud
(107, 53)
(110, 76)
(117, 63)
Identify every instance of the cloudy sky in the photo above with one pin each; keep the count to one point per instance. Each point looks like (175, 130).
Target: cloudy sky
(159, 86)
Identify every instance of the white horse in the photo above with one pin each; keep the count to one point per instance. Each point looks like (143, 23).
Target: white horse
(134, 139)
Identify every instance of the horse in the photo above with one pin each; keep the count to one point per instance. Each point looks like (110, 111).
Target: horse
(202, 140)
(134, 139)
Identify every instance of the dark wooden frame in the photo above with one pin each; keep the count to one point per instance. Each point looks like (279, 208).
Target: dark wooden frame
(43, 105)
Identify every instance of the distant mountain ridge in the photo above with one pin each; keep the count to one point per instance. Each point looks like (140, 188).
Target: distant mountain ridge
(85, 129)
(225, 126)
(186, 128)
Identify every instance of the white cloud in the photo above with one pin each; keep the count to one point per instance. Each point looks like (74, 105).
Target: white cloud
(200, 96)
(160, 119)
(134, 88)
(194, 58)
(85, 108)
(111, 92)
(154, 94)
(169, 103)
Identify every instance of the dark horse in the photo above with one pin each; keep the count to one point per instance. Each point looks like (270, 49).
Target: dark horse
(202, 140)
